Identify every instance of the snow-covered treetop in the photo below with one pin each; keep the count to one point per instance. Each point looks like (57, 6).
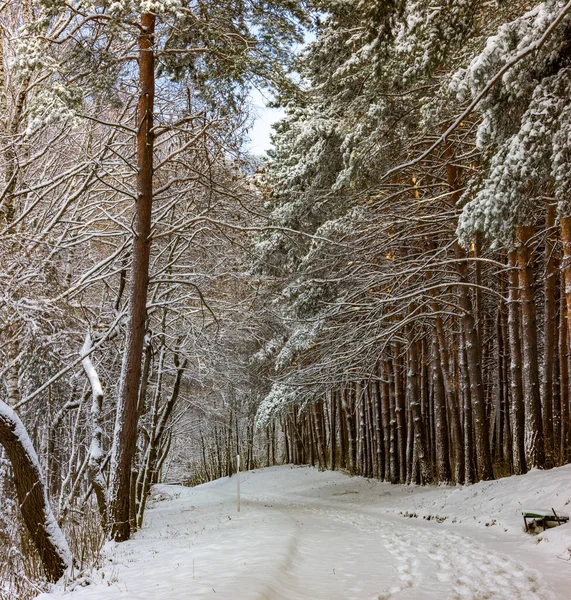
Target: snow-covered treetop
(524, 131)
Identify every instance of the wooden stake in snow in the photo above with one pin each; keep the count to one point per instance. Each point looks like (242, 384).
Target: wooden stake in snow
(238, 478)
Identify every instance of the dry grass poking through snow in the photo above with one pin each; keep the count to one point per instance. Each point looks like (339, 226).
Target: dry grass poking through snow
(21, 575)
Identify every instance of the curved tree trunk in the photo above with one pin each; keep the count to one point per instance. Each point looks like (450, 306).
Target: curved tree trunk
(95, 448)
(32, 495)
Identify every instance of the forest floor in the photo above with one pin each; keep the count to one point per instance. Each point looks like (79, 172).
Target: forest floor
(302, 534)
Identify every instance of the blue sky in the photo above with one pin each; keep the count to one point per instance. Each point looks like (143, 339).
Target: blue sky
(264, 116)
(263, 119)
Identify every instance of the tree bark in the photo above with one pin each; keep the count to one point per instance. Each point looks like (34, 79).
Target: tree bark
(350, 419)
(507, 440)
(385, 420)
(393, 445)
(400, 411)
(531, 392)
(333, 430)
(126, 423)
(452, 401)
(472, 343)
(442, 446)
(563, 444)
(549, 328)
(32, 495)
(565, 225)
(516, 406)
(464, 382)
(95, 448)
(473, 358)
(420, 448)
(376, 402)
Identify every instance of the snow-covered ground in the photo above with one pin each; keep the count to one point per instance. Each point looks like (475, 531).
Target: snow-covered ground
(302, 534)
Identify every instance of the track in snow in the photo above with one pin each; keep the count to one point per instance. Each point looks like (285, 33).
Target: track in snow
(306, 535)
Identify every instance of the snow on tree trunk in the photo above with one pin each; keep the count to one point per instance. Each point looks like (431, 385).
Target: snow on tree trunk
(441, 440)
(385, 421)
(95, 448)
(32, 495)
(400, 414)
(350, 429)
(472, 345)
(516, 405)
(420, 448)
(474, 363)
(565, 224)
(564, 378)
(531, 395)
(464, 386)
(549, 330)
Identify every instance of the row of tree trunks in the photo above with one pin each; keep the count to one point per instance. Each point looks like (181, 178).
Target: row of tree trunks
(468, 405)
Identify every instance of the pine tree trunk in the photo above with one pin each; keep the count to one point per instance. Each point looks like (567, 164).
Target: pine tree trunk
(400, 413)
(229, 453)
(517, 411)
(452, 401)
(473, 358)
(343, 462)
(287, 459)
(376, 401)
(508, 436)
(563, 442)
(351, 442)
(311, 437)
(333, 430)
(426, 401)
(360, 401)
(126, 423)
(409, 443)
(385, 420)
(393, 461)
(413, 391)
(472, 343)
(274, 443)
(442, 448)
(372, 432)
(565, 225)
(549, 329)
(464, 382)
(498, 436)
(318, 414)
(531, 391)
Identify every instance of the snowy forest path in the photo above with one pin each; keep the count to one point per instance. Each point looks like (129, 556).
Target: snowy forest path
(302, 534)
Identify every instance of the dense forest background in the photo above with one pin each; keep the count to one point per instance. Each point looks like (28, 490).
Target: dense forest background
(387, 292)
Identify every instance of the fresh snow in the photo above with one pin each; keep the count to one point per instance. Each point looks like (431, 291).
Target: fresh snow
(54, 533)
(305, 534)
